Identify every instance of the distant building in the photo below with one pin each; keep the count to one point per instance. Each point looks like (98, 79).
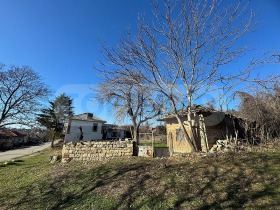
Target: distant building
(111, 132)
(11, 138)
(84, 126)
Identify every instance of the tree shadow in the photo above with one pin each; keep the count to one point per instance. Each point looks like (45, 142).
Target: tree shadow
(210, 183)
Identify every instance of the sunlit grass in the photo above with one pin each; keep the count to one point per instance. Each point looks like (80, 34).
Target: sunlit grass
(228, 181)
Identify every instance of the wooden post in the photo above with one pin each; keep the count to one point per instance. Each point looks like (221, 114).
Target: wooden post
(202, 129)
(153, 129)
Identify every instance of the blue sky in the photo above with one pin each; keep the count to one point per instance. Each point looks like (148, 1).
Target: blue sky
(59, 39)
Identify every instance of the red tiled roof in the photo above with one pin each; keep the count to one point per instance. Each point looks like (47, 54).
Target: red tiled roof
(9, 133)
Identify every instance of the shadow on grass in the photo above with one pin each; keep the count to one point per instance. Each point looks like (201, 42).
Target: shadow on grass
(12, 162)
(212, 183)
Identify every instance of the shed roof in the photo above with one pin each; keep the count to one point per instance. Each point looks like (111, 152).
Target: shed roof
(196, 109)
(184, 111)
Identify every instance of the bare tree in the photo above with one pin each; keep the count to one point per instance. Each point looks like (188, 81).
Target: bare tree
(186, 48)
(262, 107)
(21, 95)
(127, 99)
(184, 52)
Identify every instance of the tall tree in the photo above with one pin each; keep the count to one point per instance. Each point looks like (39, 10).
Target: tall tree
(63, 107)
(21, 93)
(183, 52)
(54, 117)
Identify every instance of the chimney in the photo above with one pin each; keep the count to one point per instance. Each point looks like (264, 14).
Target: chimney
(89, 116)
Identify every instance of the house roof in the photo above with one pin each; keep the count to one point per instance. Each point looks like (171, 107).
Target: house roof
(197, 109)
(194, 109)
(87, 117)
(11, 133)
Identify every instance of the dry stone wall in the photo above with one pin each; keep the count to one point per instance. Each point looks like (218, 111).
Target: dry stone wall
(96, 150)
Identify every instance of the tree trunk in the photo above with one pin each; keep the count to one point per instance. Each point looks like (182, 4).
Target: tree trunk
(53, 138)
(136, 133)
(191, 130)
(186, 135)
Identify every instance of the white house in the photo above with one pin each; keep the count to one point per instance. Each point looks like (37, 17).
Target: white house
(84, 127)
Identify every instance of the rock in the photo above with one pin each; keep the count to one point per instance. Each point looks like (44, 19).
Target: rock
(226, 149)
(53, 158)
(65, 160)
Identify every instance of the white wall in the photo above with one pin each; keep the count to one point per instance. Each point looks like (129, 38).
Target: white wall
(74, 132)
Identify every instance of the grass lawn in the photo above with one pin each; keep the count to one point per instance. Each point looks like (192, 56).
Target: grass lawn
(228, 181)
(156, 143)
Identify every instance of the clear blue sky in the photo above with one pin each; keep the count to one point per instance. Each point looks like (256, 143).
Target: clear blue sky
(59, 39)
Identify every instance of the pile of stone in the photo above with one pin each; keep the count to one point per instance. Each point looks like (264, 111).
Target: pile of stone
(96, 150)
(225, 146)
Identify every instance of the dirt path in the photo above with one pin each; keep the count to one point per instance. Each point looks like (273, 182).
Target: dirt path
(12, 154)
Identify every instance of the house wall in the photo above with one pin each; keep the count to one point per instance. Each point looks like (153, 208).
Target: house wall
(176, 145)
(88, 134)
(213, 119)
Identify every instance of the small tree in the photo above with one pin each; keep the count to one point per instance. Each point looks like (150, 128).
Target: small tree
(21, 95)
(48, 119)
(63, 107)
(127, 99)
(53, 118)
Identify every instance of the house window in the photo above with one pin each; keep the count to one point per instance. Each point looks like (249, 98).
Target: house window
(94, 127)
(179, 135)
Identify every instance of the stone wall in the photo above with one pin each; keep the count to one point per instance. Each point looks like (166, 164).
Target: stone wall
(96, 150)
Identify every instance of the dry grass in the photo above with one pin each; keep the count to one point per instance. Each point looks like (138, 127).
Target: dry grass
(228, 181)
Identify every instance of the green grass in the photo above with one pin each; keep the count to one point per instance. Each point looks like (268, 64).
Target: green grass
(157, 143)
(228, 181)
